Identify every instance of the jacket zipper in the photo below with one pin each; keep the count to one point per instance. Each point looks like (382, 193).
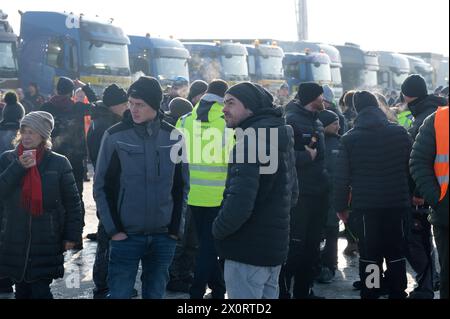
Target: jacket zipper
(158, 163)
(122, 196)
(27, 255)
(52, 225)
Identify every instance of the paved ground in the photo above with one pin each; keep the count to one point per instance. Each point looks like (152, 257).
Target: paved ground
(77, 283)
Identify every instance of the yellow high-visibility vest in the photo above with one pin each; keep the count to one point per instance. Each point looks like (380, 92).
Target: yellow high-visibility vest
(208, 145)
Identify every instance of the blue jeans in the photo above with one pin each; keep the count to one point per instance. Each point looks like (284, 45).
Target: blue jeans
(155, 252)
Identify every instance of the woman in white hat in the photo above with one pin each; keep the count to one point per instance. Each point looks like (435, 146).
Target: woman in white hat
(41, 215)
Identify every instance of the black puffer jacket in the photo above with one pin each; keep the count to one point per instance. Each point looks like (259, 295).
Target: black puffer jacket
(8, 131)
(312, 175)
(68, 135)
(102, 119)
(421, 109)
(31, 248)
(422, 170)
(373, 163)
(332, 144)
(252, 226)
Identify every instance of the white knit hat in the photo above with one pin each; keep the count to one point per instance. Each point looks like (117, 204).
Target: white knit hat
(40, 121)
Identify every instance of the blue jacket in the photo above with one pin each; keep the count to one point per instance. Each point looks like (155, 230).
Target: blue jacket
(137, 187)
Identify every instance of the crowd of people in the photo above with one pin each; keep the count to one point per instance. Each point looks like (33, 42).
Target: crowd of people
(377, 164)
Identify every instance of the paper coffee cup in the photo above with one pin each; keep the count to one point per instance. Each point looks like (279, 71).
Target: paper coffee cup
(31, 153)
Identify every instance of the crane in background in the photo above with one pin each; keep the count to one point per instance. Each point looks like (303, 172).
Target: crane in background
(301, 12)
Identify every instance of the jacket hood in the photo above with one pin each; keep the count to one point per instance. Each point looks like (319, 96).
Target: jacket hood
(297, 108)
(209, 97)
(421, 105)
(9, 126)
(371, 117)
(62, 102)
(271, 118)
(101, 111)
(204, 110)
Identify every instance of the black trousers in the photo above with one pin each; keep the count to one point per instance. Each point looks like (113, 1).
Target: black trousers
(208, 270)
(182, 268)
(382, 237)
(36, 290)
(441, 237)
(78, 173)
(100, 270)
(420, 253)
(307, 223)
(329, 256)
(5, 285)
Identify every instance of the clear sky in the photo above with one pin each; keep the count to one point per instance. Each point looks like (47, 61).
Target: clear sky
(394, 25)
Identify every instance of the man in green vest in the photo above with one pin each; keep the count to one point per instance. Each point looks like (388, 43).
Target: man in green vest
(207, 140)
(405, 118)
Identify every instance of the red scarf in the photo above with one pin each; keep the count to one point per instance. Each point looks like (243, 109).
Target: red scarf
(32, 185)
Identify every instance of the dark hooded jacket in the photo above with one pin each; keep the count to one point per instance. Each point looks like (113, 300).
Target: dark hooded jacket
(422, 170)
(312, 175)
(372, 164)
(421, 109)
(68, 136)
(31, 248)
(102, 118)
(8, 131)
(252, 226)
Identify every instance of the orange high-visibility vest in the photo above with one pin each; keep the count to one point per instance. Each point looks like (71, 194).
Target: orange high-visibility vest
(87, 124)
(441, 161)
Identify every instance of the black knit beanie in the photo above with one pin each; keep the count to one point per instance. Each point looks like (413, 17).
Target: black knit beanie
(13, 110)
(147, 89)
(308, 92)
(114, 95)
(65, 86)
(415, 86)
(217, 87)
(253, 96)
(197, 87)
(363, 99)
(328, 117)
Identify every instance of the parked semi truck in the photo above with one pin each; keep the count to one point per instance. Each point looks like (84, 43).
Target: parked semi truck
(359, 68)
(394, 69)
(164, 59)
(265, 65)
(317, 47)
(419, 66)
(8, 55)
(264, 61)
(60, 44)
(217, 60)
(439, 64)
(306, 67)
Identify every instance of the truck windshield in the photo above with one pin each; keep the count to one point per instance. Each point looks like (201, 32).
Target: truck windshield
(170, 68)
(369, 78)
(336, 75)
(204, 67)
(105, 58)
(428, 79)
(321, 72)
(8, 62)
(398, 79)
(271, 67)
(234, 67)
